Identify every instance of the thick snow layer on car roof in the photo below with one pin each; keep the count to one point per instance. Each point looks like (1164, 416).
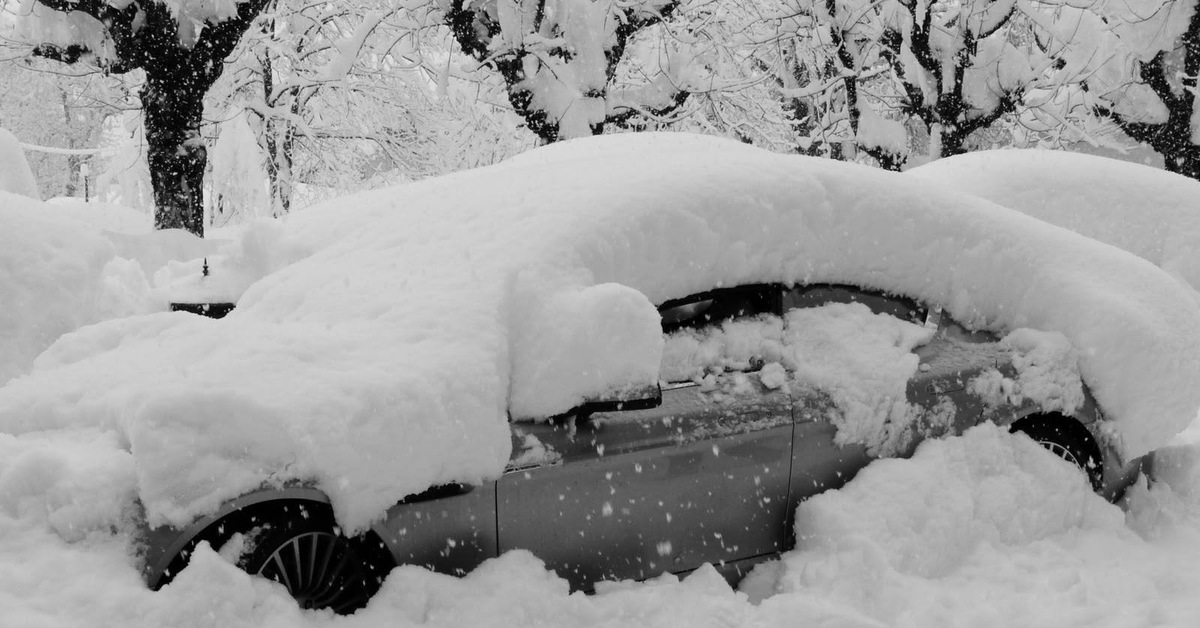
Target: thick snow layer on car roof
(401, 325)
(1147, 211)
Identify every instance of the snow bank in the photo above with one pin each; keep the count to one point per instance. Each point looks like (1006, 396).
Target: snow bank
(15, 175)
(56, 275)
(1149, 212)
(104, 216)
(395, 331)
(986, 529)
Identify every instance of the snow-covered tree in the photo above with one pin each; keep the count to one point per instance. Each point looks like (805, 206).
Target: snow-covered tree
(561, 59)
(949, 69)
(181, 46)
(297, 59)
(58, 109)
(1142, 72)
(340, 97)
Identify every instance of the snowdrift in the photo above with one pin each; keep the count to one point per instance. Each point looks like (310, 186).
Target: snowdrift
(56, 275)
(394, 332)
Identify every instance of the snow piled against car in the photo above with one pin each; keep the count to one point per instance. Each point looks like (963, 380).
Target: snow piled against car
(393, 333)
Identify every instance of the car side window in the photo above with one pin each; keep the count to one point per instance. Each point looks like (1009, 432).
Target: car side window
(816, 295)
(720, 331)
(715, 306)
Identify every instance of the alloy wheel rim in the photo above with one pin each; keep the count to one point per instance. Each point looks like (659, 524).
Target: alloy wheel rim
(318, 570)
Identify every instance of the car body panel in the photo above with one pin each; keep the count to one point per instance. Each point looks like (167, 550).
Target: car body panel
(450, 530)
(665, 489)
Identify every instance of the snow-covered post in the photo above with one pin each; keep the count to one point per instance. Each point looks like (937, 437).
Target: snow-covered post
(560, 57)
(181, 45)
(85, 172)
(953, 68)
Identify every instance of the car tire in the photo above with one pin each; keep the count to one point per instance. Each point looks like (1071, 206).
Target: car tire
(303, 549)
(1068, 439)
(298, 544)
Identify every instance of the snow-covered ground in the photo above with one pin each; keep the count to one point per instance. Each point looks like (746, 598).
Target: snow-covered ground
(181, 412)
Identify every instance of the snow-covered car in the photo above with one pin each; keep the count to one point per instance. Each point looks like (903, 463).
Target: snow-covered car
(629, 355)
(709, 469)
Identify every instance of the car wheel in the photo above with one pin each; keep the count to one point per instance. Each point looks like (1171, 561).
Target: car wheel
(1068, 439)
(298, 544)
(306, 552)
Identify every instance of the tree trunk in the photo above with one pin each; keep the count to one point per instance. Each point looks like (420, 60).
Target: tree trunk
(146, 35)
(176, 153)
(1186, 161)
(952, 140)
(280, 137)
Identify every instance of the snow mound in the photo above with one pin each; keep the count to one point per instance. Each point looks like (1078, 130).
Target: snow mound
(1149, 212)
(56, 275)
(106, 216)
(395, 332)
(983, 529)
(926, 516)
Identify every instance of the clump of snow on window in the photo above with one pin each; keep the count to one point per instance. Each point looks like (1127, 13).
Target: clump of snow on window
(773, 376)
(1047, 373)
(733, 345)
(1149, 212)
(861, 360)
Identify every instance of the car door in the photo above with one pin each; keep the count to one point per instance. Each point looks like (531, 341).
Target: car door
(703, 478)
(631, 495)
